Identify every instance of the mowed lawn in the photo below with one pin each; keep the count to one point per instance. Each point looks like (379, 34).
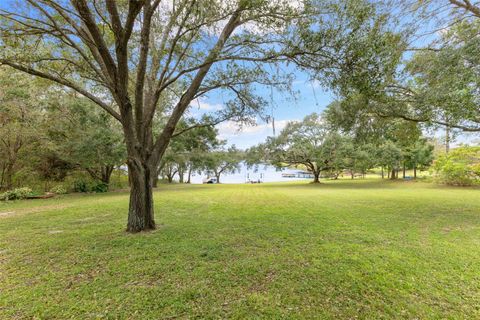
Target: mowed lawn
(339, 250)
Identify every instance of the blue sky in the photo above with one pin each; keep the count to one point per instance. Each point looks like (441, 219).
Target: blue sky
(310, 97)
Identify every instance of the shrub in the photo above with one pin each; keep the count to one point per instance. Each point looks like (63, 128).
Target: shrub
(16, 194)
(80, 186)
(94, 186)
(59, 189)
(99, 187)
(459, 167)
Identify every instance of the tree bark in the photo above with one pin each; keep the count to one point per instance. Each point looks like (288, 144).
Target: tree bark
(316, 177)
(180, 175)
(140, 211)
(107, 174)
(2, 176)
(415, 172)
(383, 173)
(189, 175)
(447, 139)
(8, 175)
(392, 175)
(404, 169)
(217, 175)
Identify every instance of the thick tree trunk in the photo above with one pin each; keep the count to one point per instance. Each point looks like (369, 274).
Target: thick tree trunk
(316, 177)
(415, 172)
(404, 169)
(140, 211)
(107, 174)
(218, 177)
(352, 174)
(392, 175)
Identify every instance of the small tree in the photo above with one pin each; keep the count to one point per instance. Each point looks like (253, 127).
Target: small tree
(85, 136)
(420, 156)
(308, 143)
(223, 161)
(390, 157)
(187, 151)
(356, 157)
(20, 116)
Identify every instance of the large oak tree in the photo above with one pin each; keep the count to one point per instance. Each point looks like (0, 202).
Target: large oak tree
(142, 60)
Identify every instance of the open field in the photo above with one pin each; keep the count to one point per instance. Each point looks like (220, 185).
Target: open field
(366, 249)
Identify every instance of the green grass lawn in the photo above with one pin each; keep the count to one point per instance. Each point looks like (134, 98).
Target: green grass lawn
(339, 250)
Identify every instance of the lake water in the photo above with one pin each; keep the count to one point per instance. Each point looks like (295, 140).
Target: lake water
(262, 173)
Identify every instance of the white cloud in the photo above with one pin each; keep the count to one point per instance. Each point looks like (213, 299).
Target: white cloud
(201, 104)
(248, 136)
(229, 129)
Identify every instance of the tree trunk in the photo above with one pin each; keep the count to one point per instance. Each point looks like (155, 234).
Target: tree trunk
(383, 173)
(189, 175)
(414, 172)
(107, 173)
(8, 175)
(140, 211)
(2, 177)
(352, 174)
(316, 177)
(404, 169)
(392, 175)
(180, 175)
(447, 139)
(217, 175)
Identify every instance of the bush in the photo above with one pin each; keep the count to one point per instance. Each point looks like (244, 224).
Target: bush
(99, 187)
(80, 186)
(16, 194)
(59, 189)
(94, 186)
(460, 167)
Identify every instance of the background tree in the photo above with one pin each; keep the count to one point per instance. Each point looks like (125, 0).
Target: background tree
(363, 158)
(85, 136)
(308, 143)
(390, 157)
(20, 114)
(187, 151)
(420, 156)
(223, 161)
(432, 80)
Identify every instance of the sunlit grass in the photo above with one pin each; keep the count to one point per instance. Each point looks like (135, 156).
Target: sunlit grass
(343, 249)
